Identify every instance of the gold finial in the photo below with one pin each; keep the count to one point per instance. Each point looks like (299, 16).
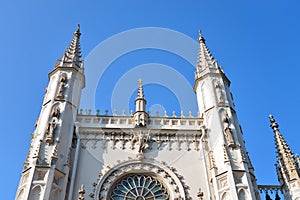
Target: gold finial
(200, 37)
(140, 81)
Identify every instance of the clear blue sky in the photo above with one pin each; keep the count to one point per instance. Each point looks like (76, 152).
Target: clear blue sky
(256, 42)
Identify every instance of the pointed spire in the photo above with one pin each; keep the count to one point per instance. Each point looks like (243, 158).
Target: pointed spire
(285, 156)
(72, 55)
(205, 58)
(140, 89)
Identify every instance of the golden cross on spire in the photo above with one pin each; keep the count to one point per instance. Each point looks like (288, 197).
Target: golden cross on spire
(140, 81)
(200, 37)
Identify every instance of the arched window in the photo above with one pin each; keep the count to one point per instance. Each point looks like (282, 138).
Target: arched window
(138, 187)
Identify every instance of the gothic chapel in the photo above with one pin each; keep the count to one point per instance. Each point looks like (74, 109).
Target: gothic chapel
(75, 155)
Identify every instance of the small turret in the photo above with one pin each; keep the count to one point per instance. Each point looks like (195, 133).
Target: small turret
(140, 115)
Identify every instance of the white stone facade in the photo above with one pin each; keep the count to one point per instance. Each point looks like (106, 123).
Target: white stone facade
(138, 156)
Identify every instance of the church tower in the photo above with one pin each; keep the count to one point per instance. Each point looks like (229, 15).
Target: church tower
(287, 167)
(47, 168)
(231, 173)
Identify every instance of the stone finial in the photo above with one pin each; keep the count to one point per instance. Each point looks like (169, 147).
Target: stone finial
(182, 114)
(81, 193)
(115, 112)
(165, 114)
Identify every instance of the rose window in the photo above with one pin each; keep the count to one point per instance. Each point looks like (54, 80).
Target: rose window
(139, 187)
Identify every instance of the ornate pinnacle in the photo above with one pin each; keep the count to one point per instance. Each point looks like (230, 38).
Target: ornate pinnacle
(140, 89)
(285, 156)
(72, 55)
(205, 58)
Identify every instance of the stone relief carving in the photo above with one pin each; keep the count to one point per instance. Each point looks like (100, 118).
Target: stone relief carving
(143, 140)
(62, 86)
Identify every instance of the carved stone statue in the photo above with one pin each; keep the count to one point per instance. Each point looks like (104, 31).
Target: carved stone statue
(55, 112)
(220, 92)
(62, 86)
(50, 131)
(52, 124)
(142, 141)
(227, 131)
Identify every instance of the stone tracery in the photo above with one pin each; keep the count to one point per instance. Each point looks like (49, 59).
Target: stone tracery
(139, 187)
(172, 185)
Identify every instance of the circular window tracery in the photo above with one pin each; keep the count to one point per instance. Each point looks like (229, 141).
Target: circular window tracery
(139, 187)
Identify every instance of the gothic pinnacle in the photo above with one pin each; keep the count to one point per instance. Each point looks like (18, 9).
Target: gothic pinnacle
(72, 55)
(140, 89)
(205, 58)
(285, 156)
